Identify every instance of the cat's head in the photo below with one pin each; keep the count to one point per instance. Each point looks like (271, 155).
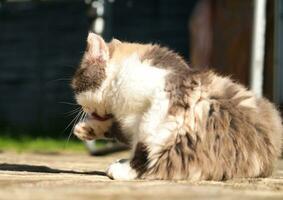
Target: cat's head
(88, 79)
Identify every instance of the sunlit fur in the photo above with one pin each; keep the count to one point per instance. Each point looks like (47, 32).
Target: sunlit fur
(181, 124)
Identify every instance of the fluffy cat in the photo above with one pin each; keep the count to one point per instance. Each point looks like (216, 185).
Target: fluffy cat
(181, 123)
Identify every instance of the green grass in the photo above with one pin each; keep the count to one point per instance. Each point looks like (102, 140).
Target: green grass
(41, 145)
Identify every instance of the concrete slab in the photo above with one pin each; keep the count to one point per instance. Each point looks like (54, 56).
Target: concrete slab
(80, 176)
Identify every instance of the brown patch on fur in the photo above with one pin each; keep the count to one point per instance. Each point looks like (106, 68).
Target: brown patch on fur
(140, 160)
(164, 58)
(90, 77)
(115, 132)
(175, 158)
(181, 80)
(228, 132)
(229, 143)
(91, 72)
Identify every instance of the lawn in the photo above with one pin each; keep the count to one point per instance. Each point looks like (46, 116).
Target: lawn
(40, 145)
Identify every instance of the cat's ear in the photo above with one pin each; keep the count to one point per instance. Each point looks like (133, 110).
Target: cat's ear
(97, 48)
(112, 45)
(115, 41)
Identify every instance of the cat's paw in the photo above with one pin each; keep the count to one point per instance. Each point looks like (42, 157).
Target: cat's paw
(121, 170)
(83, 131)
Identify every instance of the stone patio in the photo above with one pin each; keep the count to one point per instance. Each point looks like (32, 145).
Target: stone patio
(80, 176)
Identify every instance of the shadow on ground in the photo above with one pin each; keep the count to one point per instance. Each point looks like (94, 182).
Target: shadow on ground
(44, 169)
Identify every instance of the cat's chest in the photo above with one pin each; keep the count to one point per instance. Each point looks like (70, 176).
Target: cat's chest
(135, 86)
(130, 123)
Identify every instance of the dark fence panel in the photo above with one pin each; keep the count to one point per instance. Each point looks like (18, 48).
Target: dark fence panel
(160, 21)
(40, 45)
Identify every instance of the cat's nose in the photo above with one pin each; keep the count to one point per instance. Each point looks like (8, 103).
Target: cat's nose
(101, 118)
(95, 115)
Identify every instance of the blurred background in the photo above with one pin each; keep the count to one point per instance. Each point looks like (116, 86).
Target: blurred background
(42, 41)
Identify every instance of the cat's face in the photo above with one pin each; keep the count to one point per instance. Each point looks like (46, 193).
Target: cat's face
(90, 75)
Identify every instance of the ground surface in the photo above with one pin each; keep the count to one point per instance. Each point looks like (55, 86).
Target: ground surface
(79, 176)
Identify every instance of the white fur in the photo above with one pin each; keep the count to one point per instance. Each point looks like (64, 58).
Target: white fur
(134, 93)
(121, 171)
(139, 100)
(257, 165)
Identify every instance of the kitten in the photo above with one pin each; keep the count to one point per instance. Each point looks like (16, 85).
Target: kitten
(181, 123)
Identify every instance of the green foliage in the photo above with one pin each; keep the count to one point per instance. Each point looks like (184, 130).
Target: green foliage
(40, 145)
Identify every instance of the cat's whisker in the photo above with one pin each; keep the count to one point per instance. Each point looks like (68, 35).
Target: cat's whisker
(80, 117)
(59, 79)
(75, 109)
(72, 112)
(85, 114)
(74, 122)
(69, 103)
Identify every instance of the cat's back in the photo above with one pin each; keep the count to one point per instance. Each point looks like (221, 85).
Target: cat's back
(235, 131)
(248, 114)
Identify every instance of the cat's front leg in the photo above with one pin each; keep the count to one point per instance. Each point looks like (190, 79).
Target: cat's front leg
(153, 131)
(83, 131)
(92, 129)
(130, 169)
(121, 170)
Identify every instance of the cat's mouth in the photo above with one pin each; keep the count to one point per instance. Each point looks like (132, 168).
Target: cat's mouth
(101, 118)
